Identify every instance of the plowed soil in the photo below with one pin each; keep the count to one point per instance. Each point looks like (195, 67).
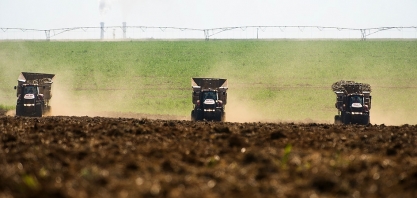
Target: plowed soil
(126, 157)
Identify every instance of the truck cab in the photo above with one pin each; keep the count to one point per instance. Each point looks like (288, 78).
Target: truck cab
(29, 101)
(356, 103)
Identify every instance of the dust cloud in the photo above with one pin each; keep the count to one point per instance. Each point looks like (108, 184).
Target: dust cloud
(67, 101)
(237, 110)
(393, 105)
(392, 117)
(11, 113)
(64, 102)
(92, 99)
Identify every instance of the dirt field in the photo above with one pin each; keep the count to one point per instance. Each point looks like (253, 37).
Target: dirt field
(126, 157)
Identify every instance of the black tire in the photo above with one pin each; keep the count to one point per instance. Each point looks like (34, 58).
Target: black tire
(19, 110)
(38, 110)
(223, 119)
(337, 119)
(346, 119)
(200, 115)
(365, 119)
(219, 117)
(193, 118)
(197, 115)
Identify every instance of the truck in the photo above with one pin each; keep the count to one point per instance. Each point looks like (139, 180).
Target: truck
(209, 98)
(33, 94)
(353, 102)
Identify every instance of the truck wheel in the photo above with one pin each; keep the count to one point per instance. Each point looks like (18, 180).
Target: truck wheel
(219, 117)
(365, 120)
(337, 119)
(223, 117)
(38, 111)
(192, 116)
(200, 115)
(346, 119)
(197, 115)
(19, 110)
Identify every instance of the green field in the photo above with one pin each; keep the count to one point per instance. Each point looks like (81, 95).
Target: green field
(274, 80)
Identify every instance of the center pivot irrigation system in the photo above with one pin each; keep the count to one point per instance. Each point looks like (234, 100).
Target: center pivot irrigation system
(208, 33)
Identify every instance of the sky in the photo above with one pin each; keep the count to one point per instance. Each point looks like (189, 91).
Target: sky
(204, 14)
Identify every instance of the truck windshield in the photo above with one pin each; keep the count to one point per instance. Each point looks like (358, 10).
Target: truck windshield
(210, 95)
(30, 90)
(356, 99)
